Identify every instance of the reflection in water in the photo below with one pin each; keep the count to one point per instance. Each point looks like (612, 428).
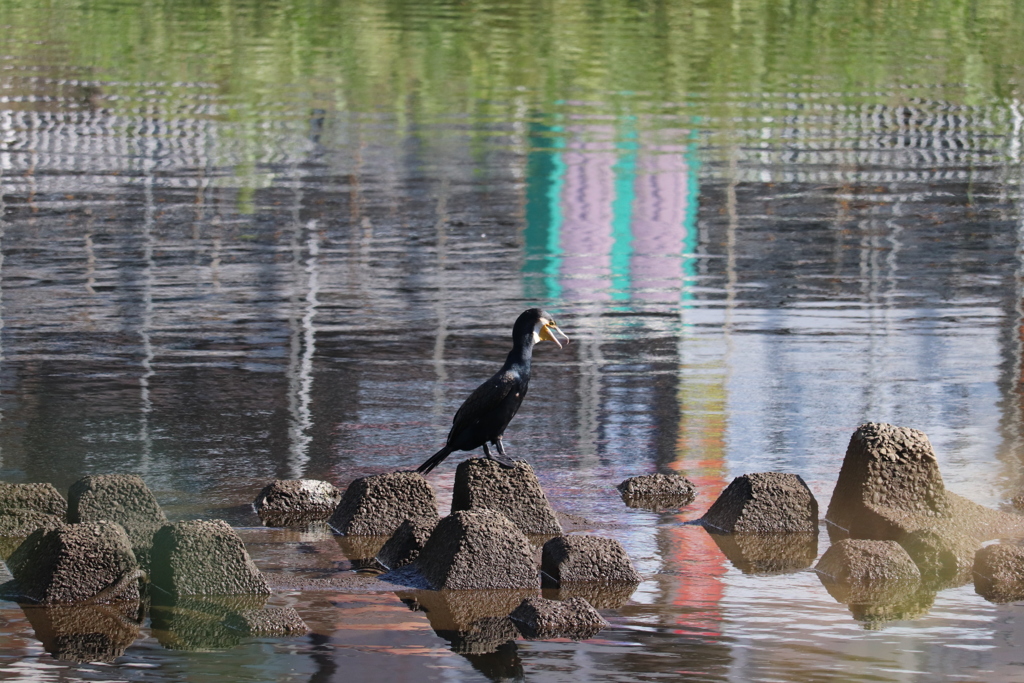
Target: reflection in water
(86, 633)
(199, 623)
(768, 553)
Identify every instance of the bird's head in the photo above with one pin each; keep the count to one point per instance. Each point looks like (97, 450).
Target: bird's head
(540, 326)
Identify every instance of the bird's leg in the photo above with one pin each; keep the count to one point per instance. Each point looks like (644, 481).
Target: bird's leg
(500, 458)
(487, 453)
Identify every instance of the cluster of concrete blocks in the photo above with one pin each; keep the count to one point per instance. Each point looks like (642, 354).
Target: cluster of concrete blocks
(487, 542)
(897, 537)
(110, 546)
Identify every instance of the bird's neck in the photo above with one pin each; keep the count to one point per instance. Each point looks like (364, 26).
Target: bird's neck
(521, 354)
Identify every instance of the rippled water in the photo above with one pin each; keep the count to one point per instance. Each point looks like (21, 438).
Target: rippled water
(246, 241)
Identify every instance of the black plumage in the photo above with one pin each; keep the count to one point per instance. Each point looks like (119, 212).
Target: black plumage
(483, 417)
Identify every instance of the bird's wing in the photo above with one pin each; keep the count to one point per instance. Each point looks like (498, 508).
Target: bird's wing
(484, 398)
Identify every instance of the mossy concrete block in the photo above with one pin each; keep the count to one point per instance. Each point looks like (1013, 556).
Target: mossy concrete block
(22, 522)
(378, 504)
(657, 491)
(579, 558)
(77, 562)
(482, 483)
(204, 557)
(765, 502)
(39, 497)
(477, 549)
(296, 501)
(541, 619)
(268, 621)
(406, 544)
(999, 572)
(121, 498)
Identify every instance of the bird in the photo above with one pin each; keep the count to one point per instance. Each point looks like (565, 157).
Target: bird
(483, 417)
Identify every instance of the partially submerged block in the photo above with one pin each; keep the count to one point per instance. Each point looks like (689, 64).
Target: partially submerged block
(482, 483)
(765, 502)
(121, 498)
(204, 557)
(477, 549)
(877, 580)
(296, 501)
(999, 572)
(890, 488)
(378, 504)
(541, 619)
(39, 497)
(579, 558)
(657, 491)
(77, 562)
(406, 544)
(864, 562)
(267, 621)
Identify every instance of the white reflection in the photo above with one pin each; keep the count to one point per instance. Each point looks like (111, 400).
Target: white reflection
(145, 438)
(303, 346)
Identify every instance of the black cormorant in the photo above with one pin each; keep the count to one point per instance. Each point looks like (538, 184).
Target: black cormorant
(488, 410)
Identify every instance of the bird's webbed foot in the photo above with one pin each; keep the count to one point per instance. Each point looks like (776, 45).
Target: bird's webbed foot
(500, 457)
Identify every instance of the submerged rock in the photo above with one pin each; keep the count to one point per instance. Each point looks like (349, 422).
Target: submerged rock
(579, 558)
(121, 498)
(267, 621)
(540, 619)
(74, 563)
(42, 498)
(406, 544)
(477, 549)
(204, 557)
(482, 483)
(765, 502)
(999, 573)
(773, 553)
(378, 504)
(890, 488)
(296, 501)
(657, 491)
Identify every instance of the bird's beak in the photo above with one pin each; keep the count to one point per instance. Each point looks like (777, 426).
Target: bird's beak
(549, 332)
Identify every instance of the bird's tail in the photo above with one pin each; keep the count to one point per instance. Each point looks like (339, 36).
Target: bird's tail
(434, 460)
